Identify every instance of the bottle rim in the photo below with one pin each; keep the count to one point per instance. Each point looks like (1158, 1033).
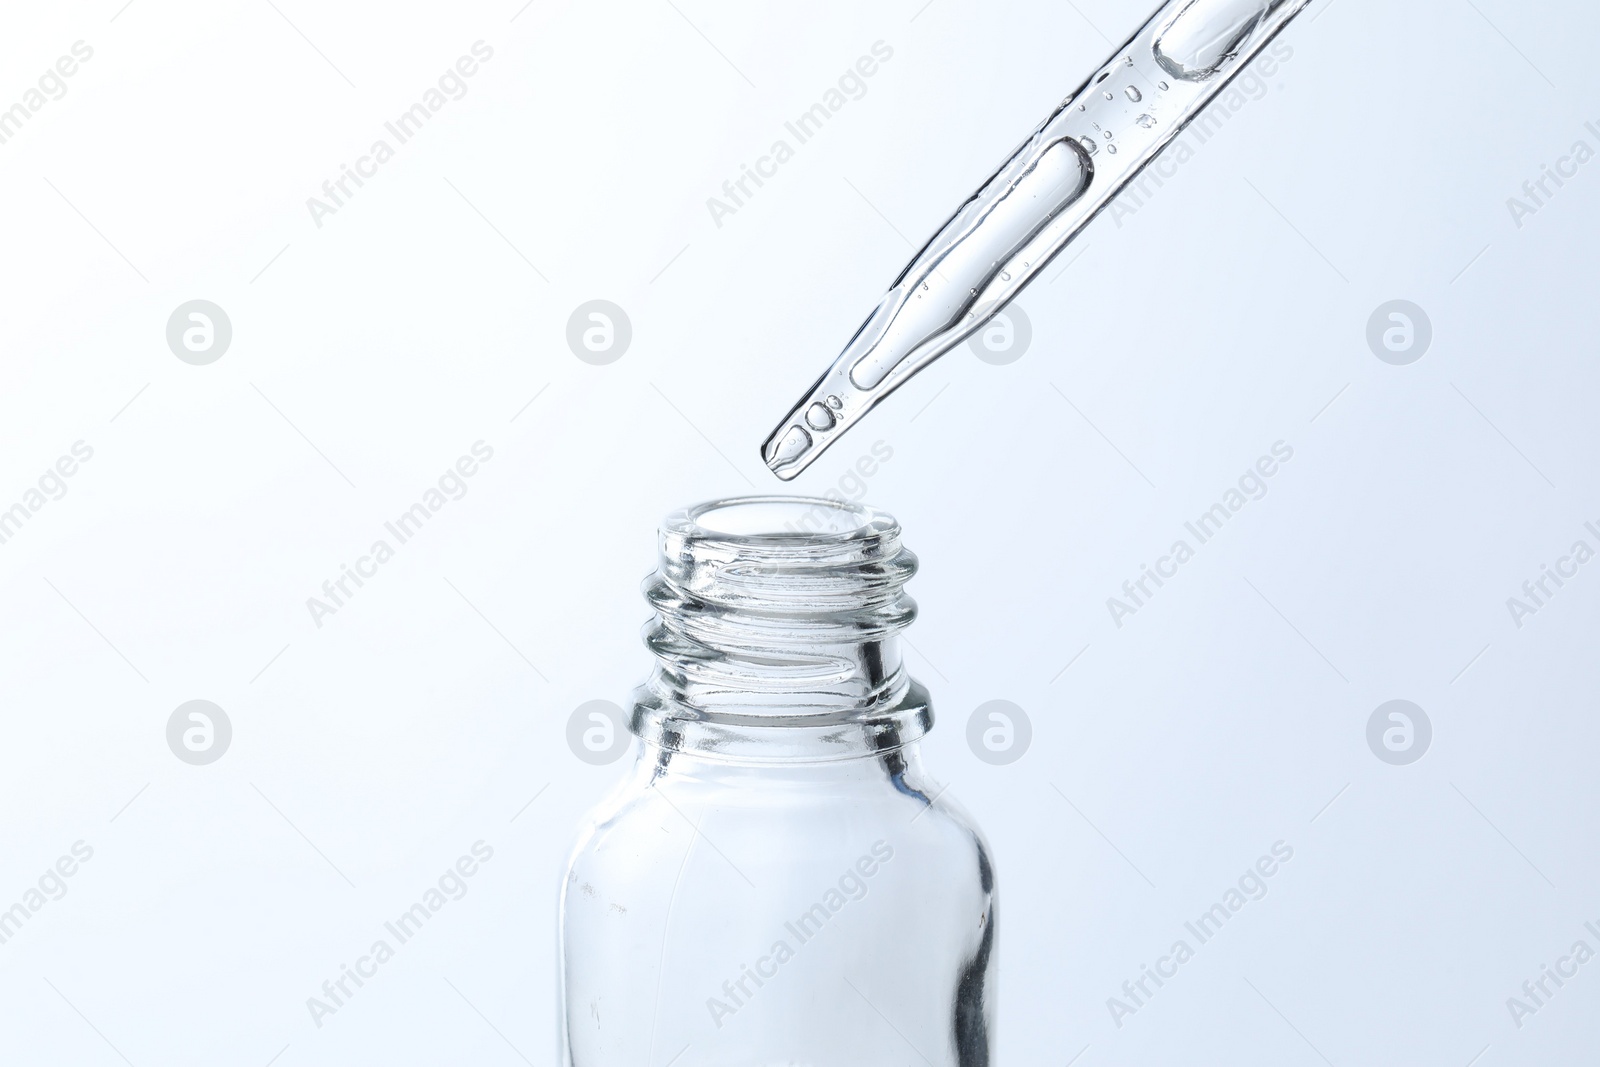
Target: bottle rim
(780, 518)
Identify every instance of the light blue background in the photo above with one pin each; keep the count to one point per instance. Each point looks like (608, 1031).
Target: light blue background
(1225, 315)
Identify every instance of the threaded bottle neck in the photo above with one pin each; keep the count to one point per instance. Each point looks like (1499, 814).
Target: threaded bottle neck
(778, 611)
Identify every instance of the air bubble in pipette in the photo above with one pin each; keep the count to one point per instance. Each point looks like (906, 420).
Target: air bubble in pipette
(793, 446)
(1207, 34)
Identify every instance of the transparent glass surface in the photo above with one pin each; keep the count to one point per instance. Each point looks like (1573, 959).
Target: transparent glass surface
(777, 881)
(1096, 141)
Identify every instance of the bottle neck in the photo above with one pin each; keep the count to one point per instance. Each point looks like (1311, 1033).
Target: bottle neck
(776, 633)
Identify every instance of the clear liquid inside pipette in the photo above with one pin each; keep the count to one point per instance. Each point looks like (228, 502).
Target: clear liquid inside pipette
(1076, 161)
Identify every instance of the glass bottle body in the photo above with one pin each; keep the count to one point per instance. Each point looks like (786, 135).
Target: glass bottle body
(812, 913)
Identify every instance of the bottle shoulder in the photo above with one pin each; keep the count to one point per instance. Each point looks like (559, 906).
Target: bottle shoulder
(782, 821)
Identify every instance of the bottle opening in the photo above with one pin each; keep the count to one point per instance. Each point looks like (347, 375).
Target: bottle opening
(782, 517)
